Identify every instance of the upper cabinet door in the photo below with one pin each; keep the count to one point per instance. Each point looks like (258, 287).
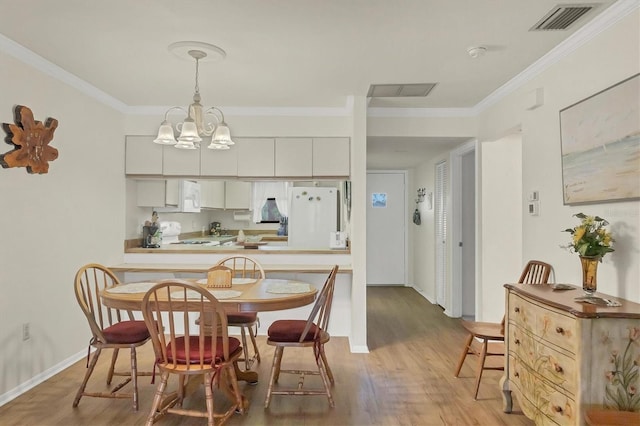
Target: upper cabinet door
(217, 162)
(212, 194)
(294, 157)
(331, 157)
(142, 156)
(255, 157)
(181, 162)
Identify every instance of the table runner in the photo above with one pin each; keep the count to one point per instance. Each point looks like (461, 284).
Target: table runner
(142, 287)
(218, 294)
(287, 287)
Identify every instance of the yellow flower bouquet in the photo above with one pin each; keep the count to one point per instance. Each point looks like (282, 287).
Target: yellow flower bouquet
(590, 238)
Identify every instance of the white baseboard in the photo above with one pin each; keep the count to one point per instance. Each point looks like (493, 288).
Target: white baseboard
(39, 378)
(359, 349)
(433, 302)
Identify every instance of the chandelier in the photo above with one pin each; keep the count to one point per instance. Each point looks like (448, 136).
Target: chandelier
(197, 124)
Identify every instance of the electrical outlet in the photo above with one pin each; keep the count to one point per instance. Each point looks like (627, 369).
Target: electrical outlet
(26, 332)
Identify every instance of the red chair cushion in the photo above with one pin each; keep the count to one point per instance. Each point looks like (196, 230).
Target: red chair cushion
(290, 331)
(194, 350)
(242, 317)
(126, 332)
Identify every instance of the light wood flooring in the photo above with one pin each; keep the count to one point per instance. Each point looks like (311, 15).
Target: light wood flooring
(406, 379)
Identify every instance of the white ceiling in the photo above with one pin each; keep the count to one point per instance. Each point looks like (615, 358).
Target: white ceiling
(289, 53)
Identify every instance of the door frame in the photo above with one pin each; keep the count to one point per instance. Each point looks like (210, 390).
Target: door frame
(405, 174)
(455, 305)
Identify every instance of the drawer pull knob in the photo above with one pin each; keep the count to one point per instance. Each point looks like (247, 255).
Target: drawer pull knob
(557, 409)
(516, 374)
(558, 369)
(559, 330)
(516, 309)
(517, 341)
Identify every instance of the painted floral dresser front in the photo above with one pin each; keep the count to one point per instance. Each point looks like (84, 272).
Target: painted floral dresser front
(563, 356)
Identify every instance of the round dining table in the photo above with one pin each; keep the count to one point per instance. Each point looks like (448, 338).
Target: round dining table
(244, 295)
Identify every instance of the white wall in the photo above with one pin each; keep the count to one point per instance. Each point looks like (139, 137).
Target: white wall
(501, 224)
(54, 223)
(601, 62)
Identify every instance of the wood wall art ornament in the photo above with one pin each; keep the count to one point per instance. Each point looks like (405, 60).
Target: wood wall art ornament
(31, 140)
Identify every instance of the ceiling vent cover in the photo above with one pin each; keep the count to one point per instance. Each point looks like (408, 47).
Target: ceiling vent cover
(562, 16)
(400, 90)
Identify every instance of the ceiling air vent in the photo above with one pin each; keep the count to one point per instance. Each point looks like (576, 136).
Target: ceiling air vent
(399, 90)
(562, 16)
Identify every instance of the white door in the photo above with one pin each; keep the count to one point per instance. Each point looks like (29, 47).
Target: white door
(386, 228)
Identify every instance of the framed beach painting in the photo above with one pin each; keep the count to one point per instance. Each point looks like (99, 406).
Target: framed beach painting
(600, 138)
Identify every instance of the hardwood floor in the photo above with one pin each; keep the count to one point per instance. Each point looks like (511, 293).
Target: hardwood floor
(406, 379)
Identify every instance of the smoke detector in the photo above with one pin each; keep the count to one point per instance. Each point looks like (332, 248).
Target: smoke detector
(476, 51)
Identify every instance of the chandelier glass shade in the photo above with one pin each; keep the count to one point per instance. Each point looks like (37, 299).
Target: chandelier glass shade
(197, 124)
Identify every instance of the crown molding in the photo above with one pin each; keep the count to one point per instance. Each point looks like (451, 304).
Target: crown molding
(25, 55)
(605, 20)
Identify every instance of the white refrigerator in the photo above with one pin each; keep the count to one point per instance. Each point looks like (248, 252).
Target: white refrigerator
(313, 216)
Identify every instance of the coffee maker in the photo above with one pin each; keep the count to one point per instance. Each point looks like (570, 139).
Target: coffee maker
(150, 237)
(214, 228)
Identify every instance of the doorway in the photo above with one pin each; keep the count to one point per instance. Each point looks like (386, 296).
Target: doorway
(386, 228)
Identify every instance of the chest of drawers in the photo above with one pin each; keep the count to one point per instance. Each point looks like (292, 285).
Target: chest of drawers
(564, 356)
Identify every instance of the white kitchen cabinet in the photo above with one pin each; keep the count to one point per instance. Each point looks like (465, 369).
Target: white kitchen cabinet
(331, 157)
(180, 162)
(157, 193)
(212, 194)
(255, 157)
(170, 196)
(217, 162)
(142, 156)
(293, 157)
(237, 195)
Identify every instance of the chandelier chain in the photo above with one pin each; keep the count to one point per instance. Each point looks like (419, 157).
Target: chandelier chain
(197, 88)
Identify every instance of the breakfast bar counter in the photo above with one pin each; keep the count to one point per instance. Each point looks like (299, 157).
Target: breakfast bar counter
(204, 267)
(193, 260)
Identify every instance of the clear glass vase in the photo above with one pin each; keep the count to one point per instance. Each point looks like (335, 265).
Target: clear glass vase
(589, 274)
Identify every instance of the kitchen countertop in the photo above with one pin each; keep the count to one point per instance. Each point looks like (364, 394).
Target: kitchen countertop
(200, 248)
(188, 244)
(202, 268)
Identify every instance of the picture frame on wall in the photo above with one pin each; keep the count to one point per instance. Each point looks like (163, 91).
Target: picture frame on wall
(600, 141)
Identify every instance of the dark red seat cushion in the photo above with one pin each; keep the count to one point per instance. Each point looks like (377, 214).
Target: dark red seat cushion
(290, 331)
(126, 332)
(242, 317)
(194, 350)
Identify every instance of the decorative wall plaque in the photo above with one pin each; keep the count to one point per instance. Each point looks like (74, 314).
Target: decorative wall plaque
(30, 139)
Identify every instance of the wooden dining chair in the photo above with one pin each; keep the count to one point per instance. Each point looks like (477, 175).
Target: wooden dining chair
(310, 333)
(193, 352)
(491, 335)
(219, 276)
(110, 329)
(245, 267)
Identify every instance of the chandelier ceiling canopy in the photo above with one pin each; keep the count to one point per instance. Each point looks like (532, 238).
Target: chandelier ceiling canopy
(197, 124)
